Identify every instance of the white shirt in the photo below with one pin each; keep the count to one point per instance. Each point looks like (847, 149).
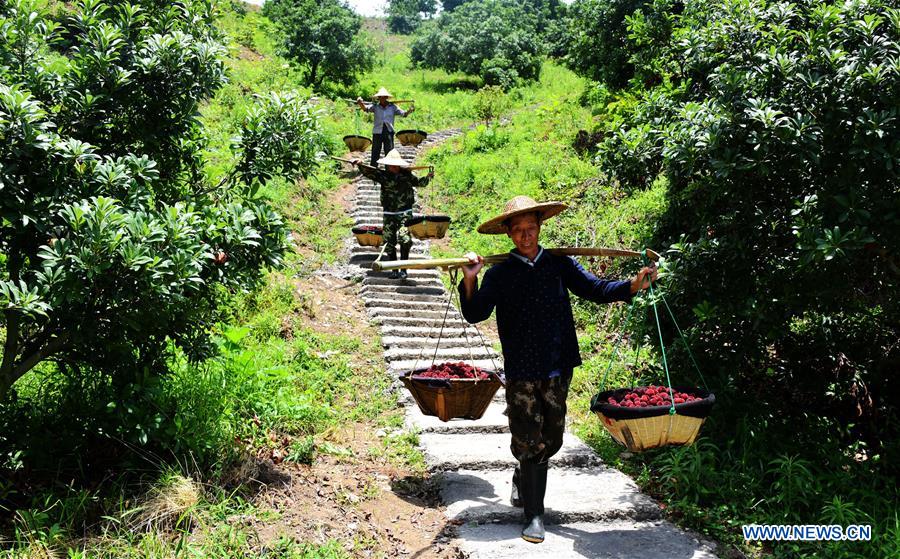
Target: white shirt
(384, 116)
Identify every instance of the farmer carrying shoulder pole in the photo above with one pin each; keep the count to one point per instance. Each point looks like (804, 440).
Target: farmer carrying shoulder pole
(397, 198)
(383, 129)
(530, 291)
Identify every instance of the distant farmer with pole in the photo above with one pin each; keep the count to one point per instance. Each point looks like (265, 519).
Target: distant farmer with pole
(530, 291)
(383, 129)
(397, 198)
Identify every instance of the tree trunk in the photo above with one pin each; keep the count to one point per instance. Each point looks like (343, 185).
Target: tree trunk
(313, 71)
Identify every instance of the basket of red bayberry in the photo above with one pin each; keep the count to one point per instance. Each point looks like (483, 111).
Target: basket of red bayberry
(452, 390)
(653, 416)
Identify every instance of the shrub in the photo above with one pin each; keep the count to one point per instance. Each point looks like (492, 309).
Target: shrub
(496, 40)
(323, 37)
(405, 16)
(776, 126)
(114, 244)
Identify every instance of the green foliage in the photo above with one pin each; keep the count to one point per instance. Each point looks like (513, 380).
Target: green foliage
(322, 37)
(777, 128)
(280, 135)
(405, 16)
(495, 39)
(489, 103)
(113, 241)
(594, 43)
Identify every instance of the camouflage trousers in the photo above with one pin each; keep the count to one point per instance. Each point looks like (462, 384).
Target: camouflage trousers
(395, 232)
(537, 416)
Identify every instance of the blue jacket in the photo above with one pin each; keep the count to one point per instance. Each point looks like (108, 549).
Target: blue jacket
(534, 314)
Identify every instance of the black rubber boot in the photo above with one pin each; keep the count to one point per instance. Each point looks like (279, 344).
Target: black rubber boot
(390, 255)
(404, 255)
(516, 498)
(534, 485)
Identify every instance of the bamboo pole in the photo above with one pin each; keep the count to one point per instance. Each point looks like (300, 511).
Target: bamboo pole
(414, 168)
(497, 258)
(353, 101)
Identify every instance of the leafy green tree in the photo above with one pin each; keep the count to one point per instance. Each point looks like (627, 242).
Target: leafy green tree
(323, 37)
(113, 244)
(778, 129)
(450, 5)
(595, 44)
(405, 16)
(495, 39)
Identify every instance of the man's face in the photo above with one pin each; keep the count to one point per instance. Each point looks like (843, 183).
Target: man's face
(524, 231)
(383, 101)
(393, 168)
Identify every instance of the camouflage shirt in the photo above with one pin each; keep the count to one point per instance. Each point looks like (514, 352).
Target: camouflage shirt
(397, 192)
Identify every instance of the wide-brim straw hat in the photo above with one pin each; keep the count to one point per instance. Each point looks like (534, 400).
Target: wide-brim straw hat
(394, 158)
(518, 206)
(382, 93)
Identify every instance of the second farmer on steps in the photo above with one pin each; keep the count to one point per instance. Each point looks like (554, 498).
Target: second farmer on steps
(383, 127)
(397, 199)
(530, 291)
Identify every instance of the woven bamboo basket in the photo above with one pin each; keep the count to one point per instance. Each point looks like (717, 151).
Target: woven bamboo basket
(428, 226)
(653, 427)
(357, 143)
(449, 399)
(411, 137)
(369, 236)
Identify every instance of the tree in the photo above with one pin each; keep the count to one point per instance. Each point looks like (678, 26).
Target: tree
(113, 244)
(405, 16)
(778, 129)
(595, 43)
(494, 39)
(450, 5)
(322, 36)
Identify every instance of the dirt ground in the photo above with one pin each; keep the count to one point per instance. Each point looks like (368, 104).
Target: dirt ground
(375, 509)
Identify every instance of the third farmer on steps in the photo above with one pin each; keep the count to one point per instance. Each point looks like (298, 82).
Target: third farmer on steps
(530, 291)
(383, 128)
(397, 198)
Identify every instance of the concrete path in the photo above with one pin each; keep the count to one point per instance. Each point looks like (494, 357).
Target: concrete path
(593, 511)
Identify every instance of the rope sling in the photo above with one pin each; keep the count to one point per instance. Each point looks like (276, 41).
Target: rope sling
(652, 298)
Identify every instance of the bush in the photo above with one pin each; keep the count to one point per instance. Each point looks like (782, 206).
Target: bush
(495, 40)
(323, 37)
(594, 44)
(405, 16)
(114, 244)
(489, 103)
(777, 129)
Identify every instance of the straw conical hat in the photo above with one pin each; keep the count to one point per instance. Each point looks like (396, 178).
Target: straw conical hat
(394, 158)
(518, 206)
(382, 93)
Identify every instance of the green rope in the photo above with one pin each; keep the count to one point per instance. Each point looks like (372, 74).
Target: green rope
(618, 346)
(684, 341)
(662, 345)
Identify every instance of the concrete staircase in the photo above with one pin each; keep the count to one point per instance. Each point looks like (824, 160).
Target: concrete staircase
(592, 510)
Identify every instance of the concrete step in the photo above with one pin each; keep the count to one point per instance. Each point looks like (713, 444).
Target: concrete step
(491, 452)
(398, 288)
(448, 340)
(431, 302)
(493, 421)
(436, 314)
(573, 495)
(453, 353)
(618, 539)
(419, 282)
(413, 275)
(407, 332)
(407, 299)
(369, 257)
(406, 323)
